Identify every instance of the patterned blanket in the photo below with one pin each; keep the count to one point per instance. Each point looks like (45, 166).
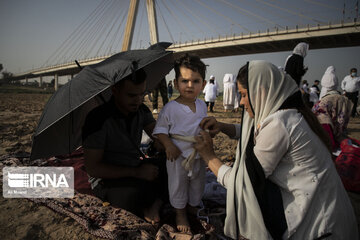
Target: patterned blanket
(106, 221)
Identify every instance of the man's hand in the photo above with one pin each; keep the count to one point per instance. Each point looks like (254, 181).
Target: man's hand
(148, 172)
(210, 123)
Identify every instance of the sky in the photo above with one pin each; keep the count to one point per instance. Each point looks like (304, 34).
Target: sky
(46, 32)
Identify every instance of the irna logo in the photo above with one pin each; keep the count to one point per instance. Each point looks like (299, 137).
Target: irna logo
(38, 182)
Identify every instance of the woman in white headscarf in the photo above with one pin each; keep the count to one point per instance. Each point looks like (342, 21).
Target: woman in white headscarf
(294, 64)
(329, 81)
(283, 184)
(333, 110)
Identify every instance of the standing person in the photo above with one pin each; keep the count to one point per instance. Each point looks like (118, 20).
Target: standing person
(111, 140)
(180, 119)
(210, 92)
(229, 94)
(170, 89)
(316, 85)
(283, 184)
(329, 81)
(155, 95)
(350, 85)
(313, 96)
(294, 65)
(305, 93)
(334, 110)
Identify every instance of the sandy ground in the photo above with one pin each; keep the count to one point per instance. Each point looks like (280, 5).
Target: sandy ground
(22, 219)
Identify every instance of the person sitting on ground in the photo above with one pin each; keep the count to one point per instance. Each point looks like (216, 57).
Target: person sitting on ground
(283, 184)
(111, 140)
(334, 110)
(177, 121)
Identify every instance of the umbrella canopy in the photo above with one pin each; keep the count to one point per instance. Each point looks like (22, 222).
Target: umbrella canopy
(60, 126)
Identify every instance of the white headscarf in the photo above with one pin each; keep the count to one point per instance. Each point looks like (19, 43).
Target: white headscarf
(301, 49)
(329, 81)
(268, 88)
(228, 78)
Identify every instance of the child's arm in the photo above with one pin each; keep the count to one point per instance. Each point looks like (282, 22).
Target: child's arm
(172, 151)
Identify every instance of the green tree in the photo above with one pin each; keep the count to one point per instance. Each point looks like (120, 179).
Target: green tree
(6, 78)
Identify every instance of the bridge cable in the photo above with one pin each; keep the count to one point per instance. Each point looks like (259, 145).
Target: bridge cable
(178, 21)
(167, 27)
(288, 11)
(78, 45)
(291, 6)
(96, 33)
(222, 15)
(117, 31)
(189, 18)
(323, 5)
(250, 13)
(102, 29)
(114, 14)
(199, 18)
(267, 10)
(71, 35)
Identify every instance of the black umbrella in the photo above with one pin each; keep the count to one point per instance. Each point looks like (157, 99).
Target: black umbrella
(60, 126)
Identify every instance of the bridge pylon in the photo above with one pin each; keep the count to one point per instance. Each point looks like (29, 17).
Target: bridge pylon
(131, 19)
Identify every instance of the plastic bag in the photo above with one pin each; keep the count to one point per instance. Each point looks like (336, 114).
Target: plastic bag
(348, 164)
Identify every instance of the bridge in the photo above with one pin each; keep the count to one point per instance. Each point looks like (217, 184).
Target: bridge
(330, 35)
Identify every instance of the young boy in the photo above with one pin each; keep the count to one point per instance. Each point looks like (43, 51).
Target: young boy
(180, 118)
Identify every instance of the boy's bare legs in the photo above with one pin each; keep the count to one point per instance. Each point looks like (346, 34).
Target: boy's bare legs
(192, 210)
(151, 214)
(182, 222)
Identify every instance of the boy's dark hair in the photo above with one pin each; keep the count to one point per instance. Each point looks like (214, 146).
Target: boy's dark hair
(353, 70)
(192, 62)
(317, 81)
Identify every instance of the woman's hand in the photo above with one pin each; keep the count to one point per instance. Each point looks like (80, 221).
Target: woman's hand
(204, 146)
(210, 123)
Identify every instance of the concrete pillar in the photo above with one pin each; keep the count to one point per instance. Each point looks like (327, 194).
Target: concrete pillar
(150, 6)
(130, 24)
(40, 81)
(56, 84)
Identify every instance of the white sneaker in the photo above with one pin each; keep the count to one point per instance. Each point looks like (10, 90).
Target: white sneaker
(155, 111)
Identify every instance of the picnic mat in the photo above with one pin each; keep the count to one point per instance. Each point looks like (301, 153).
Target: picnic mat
(109, 222)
